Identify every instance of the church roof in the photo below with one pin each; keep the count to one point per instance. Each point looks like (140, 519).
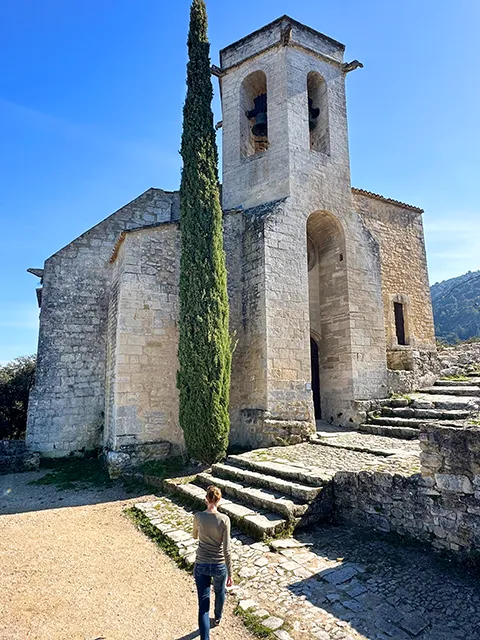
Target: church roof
(278, 21)
(377, 196)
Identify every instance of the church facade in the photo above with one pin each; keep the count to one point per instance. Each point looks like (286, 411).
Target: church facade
(328, 286)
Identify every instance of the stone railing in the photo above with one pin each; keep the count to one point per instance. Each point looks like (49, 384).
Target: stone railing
(440, 507)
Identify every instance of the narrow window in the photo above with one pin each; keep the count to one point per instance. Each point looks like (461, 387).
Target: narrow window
(254, 114)
(318, 113)
(399, 323)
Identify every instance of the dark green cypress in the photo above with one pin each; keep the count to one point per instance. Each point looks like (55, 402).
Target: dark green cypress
(204, 350)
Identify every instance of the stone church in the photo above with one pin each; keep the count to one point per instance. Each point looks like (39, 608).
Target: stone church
(328, 286)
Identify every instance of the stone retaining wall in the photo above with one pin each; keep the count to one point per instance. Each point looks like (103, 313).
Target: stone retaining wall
(440, 507)
(15, 458)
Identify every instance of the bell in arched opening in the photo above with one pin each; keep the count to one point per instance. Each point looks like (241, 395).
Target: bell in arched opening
(259, 112)
(313, 113)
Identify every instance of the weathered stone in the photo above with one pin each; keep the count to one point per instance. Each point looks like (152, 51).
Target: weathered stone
(449, 482)
(272, 623)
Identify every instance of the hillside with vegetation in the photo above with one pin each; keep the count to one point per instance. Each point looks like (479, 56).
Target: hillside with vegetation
(456, 308)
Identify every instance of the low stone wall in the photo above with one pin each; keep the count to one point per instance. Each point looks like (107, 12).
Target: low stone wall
(15, 457)
(460, 359)
(129, 457)
(440, 507)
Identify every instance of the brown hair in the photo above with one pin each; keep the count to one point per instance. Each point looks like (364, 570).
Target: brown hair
(213, 494)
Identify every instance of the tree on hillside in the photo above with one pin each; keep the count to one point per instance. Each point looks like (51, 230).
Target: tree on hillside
(204, 350)
(16, 380)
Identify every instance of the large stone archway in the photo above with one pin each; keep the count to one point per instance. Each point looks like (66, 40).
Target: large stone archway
(329, 311)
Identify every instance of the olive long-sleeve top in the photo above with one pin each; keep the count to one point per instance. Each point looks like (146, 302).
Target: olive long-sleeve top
(213, 533)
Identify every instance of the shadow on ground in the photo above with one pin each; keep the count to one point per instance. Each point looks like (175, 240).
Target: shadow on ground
(19, 495)
(387, 590)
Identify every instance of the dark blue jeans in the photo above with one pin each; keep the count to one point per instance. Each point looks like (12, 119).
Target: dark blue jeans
(204, 573)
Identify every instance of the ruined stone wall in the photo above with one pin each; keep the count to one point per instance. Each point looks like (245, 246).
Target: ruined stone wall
(16, 458)
(441, 507)
(67, 403)
(144, 411)
(398, 229)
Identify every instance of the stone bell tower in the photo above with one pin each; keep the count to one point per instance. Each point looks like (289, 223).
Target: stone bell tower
(312, 341)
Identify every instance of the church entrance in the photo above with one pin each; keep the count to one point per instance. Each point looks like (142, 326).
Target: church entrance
(315, 378)
(328, 311)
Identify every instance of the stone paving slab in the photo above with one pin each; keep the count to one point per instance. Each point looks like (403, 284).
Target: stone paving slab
(339, 583)
(378, 445)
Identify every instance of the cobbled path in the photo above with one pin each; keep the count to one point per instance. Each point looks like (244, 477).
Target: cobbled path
(405, 461)
(340, 583)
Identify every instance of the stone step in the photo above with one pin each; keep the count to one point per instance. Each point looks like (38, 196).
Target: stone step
(404, 433)
(290, 472)
(444, 402)
(258, 523)
(454, 383)
(253, 496)
(415, 423)
(470, 390)
(253, 478)
(430, 414)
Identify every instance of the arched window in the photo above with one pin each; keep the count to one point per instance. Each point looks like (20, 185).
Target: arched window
(318, 113)
(253, 114)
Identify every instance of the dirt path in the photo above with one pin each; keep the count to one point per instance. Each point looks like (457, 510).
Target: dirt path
(85, 573)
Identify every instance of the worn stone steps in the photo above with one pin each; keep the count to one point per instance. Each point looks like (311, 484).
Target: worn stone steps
(404, 433)
(454, 383)
(429, 414)
(414, 423)
(290, 472)
(258, 523)
(470, 390)
(253, 478)
(275, 502)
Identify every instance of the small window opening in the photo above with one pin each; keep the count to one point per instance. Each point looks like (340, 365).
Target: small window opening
(399, 323)
(254, 114)
(318, 113)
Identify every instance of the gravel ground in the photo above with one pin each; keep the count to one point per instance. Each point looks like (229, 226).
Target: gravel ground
(73, 567)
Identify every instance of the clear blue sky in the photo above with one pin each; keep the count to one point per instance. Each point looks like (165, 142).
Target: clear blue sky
(91, 97)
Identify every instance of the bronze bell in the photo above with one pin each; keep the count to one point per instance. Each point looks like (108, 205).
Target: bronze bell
(260, 128)
(313, 113)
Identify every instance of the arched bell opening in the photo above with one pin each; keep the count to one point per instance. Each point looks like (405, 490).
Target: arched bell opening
(318, 113)
(253, 114)
(328, 308)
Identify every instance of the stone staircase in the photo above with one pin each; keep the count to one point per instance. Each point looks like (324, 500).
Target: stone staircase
(448, 403)
(264, 499)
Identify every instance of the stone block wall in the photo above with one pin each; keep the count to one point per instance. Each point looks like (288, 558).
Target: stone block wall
(16, 458)
(66, 408)
(398, 229)
(440, 507)
(143, 340)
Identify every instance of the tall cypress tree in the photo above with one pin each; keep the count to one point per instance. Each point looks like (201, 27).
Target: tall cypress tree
(204, 350)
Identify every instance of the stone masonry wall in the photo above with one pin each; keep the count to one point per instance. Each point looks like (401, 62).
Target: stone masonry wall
(143, 410)
(68, 401)
(398, 229)
(441, 507)
(16, 458)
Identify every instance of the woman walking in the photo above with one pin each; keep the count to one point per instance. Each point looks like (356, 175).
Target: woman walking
(213, 561)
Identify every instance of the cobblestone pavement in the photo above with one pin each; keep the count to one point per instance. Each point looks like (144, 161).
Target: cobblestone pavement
(369, 442)
(340, 583)
(336, 457)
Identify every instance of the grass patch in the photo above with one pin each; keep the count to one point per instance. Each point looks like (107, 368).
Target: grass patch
(457, 377)
(74, 473)
(253, 623)
(168, 468)
(142, 523)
